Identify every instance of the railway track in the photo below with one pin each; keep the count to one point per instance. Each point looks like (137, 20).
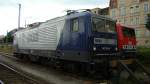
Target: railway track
(93, 81)
(78, 76)
(9, 75)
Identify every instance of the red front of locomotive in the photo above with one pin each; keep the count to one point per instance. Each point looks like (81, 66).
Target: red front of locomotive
(126, 41)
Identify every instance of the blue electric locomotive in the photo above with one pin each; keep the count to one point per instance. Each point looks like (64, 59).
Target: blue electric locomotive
(76, 39)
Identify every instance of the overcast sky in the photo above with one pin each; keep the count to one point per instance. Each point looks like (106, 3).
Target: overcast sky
(40, 10)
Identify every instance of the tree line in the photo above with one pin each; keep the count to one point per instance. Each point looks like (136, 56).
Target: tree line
(8, 38)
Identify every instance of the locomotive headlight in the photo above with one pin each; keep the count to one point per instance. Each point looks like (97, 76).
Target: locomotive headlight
(124, 46)
(134, 47)
(116, 48)
(94, 48)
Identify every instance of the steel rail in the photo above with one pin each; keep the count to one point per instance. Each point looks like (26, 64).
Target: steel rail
(29, 79)
(142, 67)
(130, 72)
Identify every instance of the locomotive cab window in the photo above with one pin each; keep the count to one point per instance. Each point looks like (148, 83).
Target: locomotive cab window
(128, 32)
(75, 25)
(103, 25)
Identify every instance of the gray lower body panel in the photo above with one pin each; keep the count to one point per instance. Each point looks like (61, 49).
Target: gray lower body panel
(81, 56)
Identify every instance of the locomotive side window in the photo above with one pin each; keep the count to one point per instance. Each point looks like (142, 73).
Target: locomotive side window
(75, 25)
(103, 25)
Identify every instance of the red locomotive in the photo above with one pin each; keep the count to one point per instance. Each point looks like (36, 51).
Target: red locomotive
(126, 41)
(126, 45)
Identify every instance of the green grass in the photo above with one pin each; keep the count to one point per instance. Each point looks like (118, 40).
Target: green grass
(144, 55)
(5, 48)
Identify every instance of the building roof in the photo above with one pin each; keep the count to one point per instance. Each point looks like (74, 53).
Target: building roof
(113, 4)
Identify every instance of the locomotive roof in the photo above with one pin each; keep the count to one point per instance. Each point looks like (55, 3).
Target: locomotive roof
(72, 15)
(87, 13)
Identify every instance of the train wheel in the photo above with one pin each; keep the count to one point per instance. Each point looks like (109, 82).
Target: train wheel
(42, 60)
(83, 69)
(34, 58)
(17, 55)
(115, 76)
(71, 67)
